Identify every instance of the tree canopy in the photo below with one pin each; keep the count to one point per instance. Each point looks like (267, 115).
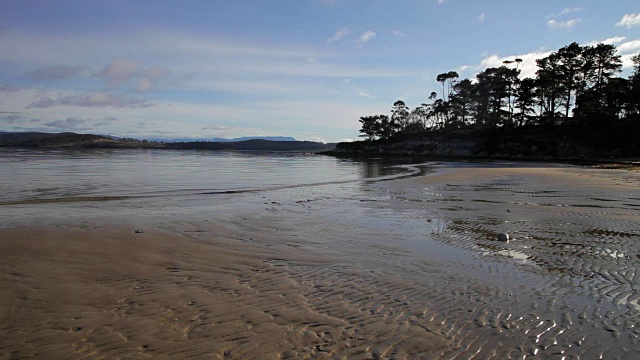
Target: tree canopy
(574, 85)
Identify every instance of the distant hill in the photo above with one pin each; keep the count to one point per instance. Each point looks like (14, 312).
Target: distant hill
(270, 138)
(73, 140)
(184, 140)
(41, 139)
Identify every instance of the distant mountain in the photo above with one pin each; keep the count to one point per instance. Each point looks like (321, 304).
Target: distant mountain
(73, 140)
(270, 138)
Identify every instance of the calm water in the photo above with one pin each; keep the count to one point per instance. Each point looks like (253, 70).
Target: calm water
(41, 175)
(406, 252)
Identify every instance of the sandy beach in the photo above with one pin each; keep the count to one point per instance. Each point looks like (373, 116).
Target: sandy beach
(109, 292)
(410, 268)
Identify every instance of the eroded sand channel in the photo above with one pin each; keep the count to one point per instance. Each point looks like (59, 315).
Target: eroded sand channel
(399, 269)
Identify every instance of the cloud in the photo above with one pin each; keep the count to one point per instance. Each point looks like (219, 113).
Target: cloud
(217, 128)
(55, 72)
(397, 33)
(11, 117)
(120, 71)
(528, 67)
(611, 41)
(341, 33)
(571, 10)
(68, 123)
(9, 88)
(96, 99)
(363, 93)
(73, 123)
(629, 46)
(366, 37)
(629, 21)
(567, 25)
(440, 2)
(482, 17)
(151, 77)
(565, 11)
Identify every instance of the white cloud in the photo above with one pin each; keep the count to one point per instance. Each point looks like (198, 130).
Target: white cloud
(341, 33)
(397, 33)
(627, 63)
(570, 10)
(366, 37)
(629, 20)
(363, 93)
(567, 25)
(440, 2)
(629, 47)
(528, 67)
(482, 17)
(610, 41)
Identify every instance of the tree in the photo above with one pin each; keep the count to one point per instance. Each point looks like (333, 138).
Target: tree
(447, 80)
(370, 125)
(492, 89)
(387, 127)
(601, 64)
(525, 100)
(633, 109)
(400, 114)
(550, 85)
(420, 118)
(461, 102)
(571, 66)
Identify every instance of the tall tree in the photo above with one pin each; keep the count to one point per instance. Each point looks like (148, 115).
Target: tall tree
(601, 64)
(461, 102)
(400, 114)
(550, 85)
(633, 110)
(525, 100)
(447, 79)
(571, 66)
(492, 90)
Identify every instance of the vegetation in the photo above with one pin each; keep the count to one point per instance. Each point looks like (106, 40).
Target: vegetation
(576, 87)
(73, 140)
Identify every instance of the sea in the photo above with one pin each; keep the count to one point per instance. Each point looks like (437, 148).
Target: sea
(407, 249)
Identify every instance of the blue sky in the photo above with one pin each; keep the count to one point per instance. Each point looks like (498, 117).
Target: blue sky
(302, 68)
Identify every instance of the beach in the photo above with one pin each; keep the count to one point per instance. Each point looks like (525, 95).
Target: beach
(402, 268)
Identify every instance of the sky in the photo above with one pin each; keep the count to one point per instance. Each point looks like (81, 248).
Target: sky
(309, 69)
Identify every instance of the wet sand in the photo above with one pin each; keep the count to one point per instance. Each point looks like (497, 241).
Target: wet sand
(407, 268)
(109, 292)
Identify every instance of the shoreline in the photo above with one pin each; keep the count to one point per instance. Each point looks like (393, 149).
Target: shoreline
(401, 268)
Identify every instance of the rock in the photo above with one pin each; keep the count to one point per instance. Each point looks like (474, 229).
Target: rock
(138, 231)
(503, 237)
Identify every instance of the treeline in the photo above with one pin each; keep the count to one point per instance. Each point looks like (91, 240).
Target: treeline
(574, 86)
(38, 139)
(87, 141)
